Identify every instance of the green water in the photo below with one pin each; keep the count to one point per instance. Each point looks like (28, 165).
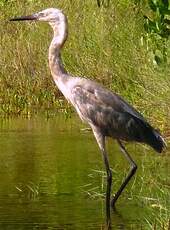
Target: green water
(52, 177)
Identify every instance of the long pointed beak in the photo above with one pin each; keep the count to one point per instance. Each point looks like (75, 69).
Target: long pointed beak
(23, 18)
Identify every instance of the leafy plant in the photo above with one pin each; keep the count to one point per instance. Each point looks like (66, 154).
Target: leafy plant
(157, 27)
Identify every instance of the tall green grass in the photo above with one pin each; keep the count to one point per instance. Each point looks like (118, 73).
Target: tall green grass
(148, 191)
(105, 44)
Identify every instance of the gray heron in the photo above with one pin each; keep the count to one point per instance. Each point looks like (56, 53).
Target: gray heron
(107, 113)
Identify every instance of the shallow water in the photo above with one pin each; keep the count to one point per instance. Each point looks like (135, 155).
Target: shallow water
(52, 177)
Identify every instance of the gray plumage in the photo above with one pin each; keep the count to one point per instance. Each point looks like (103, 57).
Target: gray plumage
(113, 116)
(106, 112)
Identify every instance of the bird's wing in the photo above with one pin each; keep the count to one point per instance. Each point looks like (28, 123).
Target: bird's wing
(113, 116)
(107, 111)
(118, 103)
(90, 99)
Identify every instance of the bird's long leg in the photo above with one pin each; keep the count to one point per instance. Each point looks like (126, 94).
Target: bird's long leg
(130, 174)
(101, 142)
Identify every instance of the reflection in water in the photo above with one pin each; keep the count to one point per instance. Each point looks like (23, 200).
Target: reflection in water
(43, 167)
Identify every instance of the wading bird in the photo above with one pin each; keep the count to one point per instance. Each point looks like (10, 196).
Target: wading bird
(106, 112)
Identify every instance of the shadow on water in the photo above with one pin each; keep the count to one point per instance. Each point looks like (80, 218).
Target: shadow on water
(51, 177)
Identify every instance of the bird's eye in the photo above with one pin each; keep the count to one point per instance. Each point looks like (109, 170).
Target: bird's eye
(41, 14)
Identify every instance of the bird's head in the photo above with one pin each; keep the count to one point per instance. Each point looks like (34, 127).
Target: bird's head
(56, 19)
(51, 15)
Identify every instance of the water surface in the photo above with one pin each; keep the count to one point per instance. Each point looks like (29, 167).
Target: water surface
(52, 177)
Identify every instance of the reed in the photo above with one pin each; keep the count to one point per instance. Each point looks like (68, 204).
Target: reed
(106, 44)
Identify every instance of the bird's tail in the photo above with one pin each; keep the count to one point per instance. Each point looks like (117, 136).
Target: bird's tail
(150, 136)
(156, 141)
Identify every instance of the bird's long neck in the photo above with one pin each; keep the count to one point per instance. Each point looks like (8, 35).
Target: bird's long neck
(59, 38)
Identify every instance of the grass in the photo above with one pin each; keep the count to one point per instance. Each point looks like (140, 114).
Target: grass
(108, 45)
(148, 191)
(105, 44)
